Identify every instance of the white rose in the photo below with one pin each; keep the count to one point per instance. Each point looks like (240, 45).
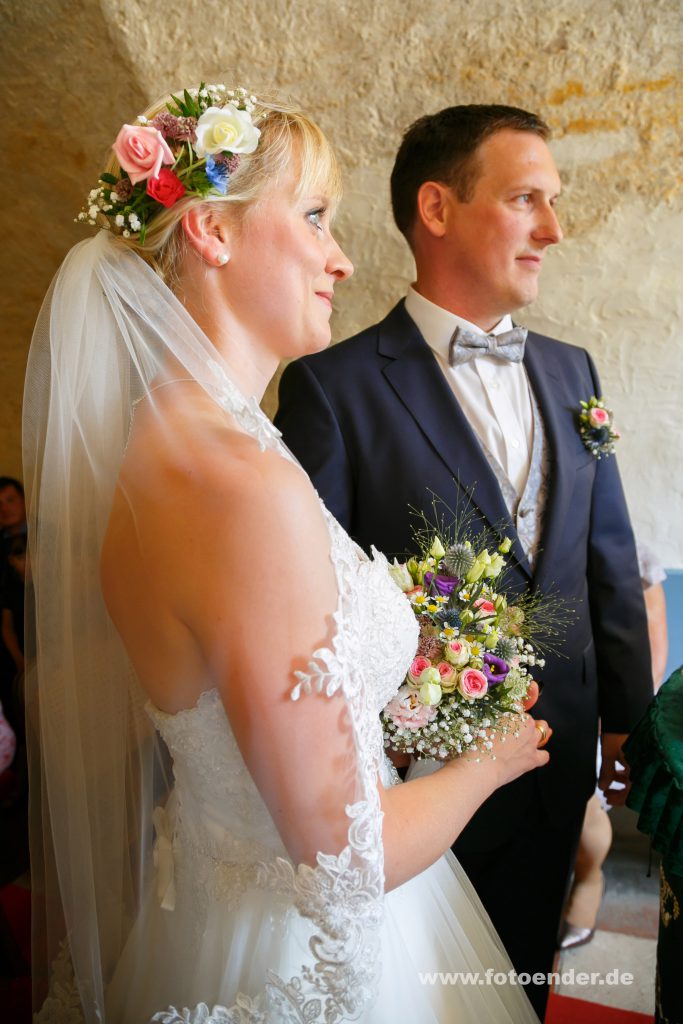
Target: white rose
(221, 128)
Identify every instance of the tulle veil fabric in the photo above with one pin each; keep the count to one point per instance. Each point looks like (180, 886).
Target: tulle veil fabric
(109, 334)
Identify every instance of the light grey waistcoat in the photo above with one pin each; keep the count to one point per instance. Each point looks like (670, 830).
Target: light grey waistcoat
(526, 511)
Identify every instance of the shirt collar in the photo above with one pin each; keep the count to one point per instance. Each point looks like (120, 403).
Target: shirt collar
(437, 324)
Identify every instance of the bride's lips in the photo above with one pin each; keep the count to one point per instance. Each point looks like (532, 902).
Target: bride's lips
(326, 297)
(531, 261)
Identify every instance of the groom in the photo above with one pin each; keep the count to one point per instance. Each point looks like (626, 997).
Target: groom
(446, 395)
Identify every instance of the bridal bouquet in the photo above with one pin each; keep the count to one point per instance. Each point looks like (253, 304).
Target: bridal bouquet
(477, 648)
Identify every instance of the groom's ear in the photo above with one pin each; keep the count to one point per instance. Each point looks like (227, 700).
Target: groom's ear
(433, 202)
(207, 233)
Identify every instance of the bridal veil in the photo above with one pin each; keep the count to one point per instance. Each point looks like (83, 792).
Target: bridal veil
(107, 336)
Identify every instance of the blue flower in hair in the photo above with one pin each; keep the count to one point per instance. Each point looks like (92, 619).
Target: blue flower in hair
(218, 173)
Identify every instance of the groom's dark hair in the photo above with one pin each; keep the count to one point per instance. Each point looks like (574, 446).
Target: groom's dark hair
(443, 147)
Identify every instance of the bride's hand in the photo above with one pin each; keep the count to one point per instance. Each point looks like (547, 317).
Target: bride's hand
(520, 751)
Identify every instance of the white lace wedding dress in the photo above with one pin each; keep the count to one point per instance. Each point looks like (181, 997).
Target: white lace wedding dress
(234, 933)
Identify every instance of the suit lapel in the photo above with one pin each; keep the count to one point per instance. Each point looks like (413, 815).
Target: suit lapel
(414, 374)
(546, 381)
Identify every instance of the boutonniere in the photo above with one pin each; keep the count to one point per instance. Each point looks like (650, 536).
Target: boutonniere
(596, 426)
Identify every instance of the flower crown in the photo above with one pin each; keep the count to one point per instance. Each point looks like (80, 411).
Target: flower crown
(191, 148)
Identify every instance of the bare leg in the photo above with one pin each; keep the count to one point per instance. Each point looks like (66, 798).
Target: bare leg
(586, 893)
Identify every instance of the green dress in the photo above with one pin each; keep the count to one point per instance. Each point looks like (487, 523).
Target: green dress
(654, 752)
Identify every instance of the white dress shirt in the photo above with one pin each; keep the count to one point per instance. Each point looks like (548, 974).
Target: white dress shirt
(493, 393)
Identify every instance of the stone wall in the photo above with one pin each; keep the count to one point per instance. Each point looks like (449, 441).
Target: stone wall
(605, 74)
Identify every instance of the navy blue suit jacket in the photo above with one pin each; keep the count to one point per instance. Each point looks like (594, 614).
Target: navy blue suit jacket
(376, 425)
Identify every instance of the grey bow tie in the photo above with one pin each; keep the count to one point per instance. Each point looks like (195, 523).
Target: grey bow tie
(466, 345)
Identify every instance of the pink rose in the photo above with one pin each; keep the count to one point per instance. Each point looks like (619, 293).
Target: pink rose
(449, 676)
(166, 188)
(485, 607)
(417, 668)
(141, 151)
(598, 417)
(457, 652)
(407, 712)
(472, 683)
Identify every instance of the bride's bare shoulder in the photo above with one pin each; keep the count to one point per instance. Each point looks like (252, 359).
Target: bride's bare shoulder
(201, 460)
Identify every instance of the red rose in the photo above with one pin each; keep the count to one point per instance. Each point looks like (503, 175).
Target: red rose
(166, 188)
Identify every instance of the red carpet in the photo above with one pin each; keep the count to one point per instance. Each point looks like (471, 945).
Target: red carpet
(564, 1010)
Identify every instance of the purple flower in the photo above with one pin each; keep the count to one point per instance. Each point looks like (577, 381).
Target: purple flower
(218, 174)
(180, 129)
(231, 161)
(495, 669)
(445, 585)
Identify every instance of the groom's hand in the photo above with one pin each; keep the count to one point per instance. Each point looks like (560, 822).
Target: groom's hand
(614, 768)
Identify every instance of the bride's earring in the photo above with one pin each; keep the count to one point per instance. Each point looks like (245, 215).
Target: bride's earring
(221, 259)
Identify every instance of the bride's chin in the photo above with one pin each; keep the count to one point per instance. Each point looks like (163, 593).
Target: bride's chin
(315, 342)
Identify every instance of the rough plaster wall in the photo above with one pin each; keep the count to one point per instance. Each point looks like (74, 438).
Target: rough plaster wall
(605, 74)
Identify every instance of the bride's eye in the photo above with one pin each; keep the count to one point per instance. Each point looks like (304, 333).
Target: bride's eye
(315, 217)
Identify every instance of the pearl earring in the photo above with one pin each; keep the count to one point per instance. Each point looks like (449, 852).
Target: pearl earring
(221, 259)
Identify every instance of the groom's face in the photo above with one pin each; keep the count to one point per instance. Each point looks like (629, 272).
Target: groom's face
(495, 243)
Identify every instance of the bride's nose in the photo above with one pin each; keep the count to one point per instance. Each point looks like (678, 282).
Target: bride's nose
(338, 265)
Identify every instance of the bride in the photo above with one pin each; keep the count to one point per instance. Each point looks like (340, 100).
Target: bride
(217, 835)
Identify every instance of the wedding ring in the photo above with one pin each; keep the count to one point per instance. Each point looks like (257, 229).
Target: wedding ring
(544, 733)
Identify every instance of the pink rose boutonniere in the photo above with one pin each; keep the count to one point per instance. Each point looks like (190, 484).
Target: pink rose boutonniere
(596, 426)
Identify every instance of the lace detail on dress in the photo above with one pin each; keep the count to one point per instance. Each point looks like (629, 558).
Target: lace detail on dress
(342, 895)
(243, 1012)
(246, 411)
(63, 1004)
